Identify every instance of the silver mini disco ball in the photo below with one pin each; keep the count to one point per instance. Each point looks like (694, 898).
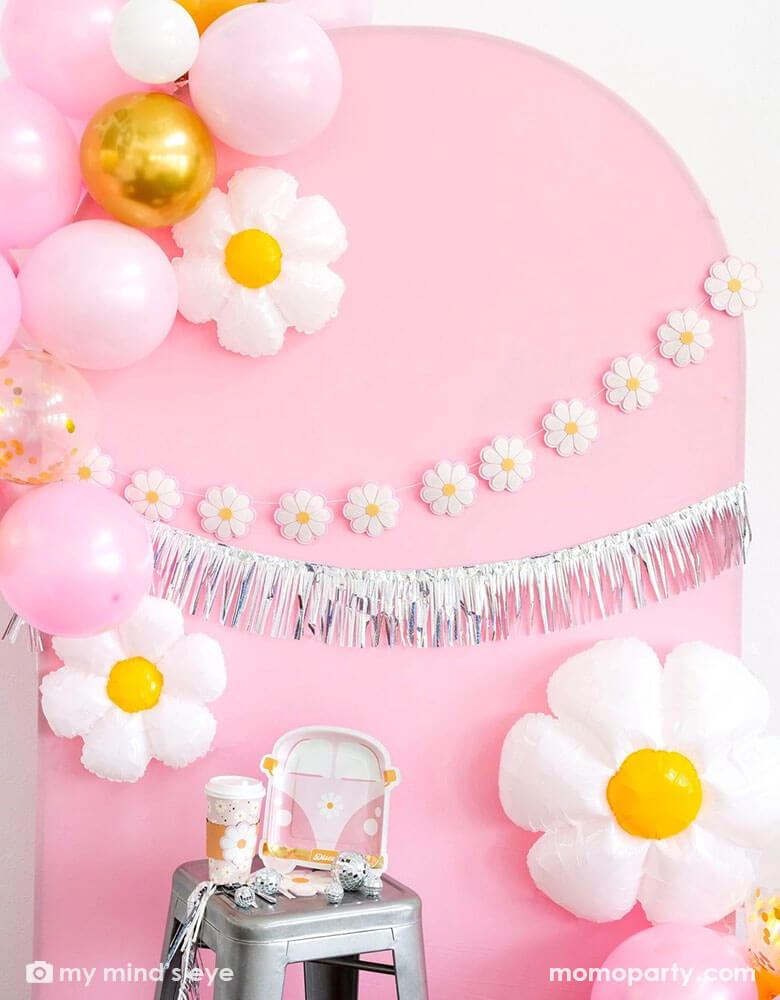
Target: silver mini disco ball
(266, 880)
(245, 897)
(350, 868)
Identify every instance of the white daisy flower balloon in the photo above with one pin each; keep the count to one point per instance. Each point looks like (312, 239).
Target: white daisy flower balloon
(136, 692)
(303, 516)
(570, 427)
(448, 488)
(97, 468)
(733, 286)
(650, 783)
(154, 494)
(371, 509)
(685, 337)
(506, 464)
(631, 383)
(256, 261)
(226, 512)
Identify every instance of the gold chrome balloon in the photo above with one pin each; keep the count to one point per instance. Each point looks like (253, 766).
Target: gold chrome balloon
(148, 160)
(205, 12)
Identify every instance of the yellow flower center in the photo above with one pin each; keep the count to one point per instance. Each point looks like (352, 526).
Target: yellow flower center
(508, 464)
(572, 427)
(241, 844)
(300, 880)
(134, 685)
(449, 489)
(226, 513)
(632, 384)
(686, 337)
(734, 285)
(330, 805)
(655, 794)
(372, 510)
(85, 472)
(303, 517)
(253, 258)
(152, 497)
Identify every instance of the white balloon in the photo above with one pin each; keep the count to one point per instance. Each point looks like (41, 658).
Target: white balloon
(154, 41)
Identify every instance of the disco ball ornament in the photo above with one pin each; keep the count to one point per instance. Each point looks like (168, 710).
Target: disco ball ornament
(267, 880)
(350, 868)
(334, 893)
(245, 897)
(372, 886)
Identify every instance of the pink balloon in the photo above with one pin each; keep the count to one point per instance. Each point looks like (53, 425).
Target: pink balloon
(62, 50)
(717, 967)
(336, 13)
(75, 559)
(40, 176)
(267, 80)
(10, 305)
(98, 294)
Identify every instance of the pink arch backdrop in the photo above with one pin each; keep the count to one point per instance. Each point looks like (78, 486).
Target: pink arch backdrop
(513, 228)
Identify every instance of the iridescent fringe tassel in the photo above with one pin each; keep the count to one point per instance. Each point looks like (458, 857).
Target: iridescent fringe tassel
(465, 605)
(458, 606)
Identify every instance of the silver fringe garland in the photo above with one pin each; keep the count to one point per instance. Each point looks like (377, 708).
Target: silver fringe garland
(458, 606)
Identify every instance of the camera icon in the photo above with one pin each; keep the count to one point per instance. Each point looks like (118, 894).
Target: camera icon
(40, 972)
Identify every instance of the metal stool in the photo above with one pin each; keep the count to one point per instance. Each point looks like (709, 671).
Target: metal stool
(259, 944)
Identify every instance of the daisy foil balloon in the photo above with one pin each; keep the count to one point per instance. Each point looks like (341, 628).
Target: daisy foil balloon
(650, 783)
(256, 261)
(136, 692)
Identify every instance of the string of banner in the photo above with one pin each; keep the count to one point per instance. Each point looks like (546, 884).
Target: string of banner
(449, 488)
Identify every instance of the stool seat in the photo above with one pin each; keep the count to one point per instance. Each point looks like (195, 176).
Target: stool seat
(258, 944)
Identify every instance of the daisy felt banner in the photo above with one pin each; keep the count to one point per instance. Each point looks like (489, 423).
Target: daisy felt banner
(450, 486)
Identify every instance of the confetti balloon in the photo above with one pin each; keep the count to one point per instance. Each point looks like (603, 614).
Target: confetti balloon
(48, 418)
(148, 160)
(205, 12)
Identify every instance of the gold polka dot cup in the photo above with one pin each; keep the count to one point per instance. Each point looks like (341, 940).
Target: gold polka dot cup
(48, 418)
(232, 825)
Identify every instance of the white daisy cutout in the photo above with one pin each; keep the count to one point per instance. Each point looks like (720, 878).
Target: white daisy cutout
(371, 509)
(136, 692)
(96, 468)
(226, 512)
(685, 337)
(331, 805)
(649, 783)
(631, 383)
(303, 515)
(154, 494)
(733, 286)
(256, 261)
(506, 464)
(570, 427)
(238, 843)
(448, 488)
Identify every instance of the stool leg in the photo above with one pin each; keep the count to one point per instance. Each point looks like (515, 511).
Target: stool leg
(167, 988)
(410, 978)
(330, 982)
(258, 971)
